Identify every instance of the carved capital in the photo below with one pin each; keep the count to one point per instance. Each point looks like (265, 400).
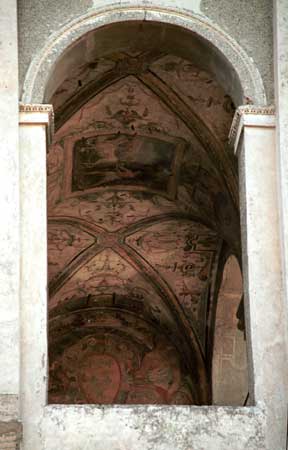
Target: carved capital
(37, 114)
(250, 116)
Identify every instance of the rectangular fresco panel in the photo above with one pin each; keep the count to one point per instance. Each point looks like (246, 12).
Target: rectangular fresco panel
(119, 159)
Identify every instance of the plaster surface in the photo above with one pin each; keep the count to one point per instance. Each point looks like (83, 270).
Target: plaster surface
(9, 204)
(250, 23)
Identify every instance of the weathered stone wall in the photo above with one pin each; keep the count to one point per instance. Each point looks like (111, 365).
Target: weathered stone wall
(248, 22)
(9, 227)
(153, 428)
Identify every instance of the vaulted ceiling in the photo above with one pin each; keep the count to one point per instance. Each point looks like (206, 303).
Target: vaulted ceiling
(142, 212)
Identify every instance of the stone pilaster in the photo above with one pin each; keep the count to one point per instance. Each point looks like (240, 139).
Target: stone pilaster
(253, 135)
(35, 128)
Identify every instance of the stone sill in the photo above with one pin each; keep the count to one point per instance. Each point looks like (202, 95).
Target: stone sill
(153, 427)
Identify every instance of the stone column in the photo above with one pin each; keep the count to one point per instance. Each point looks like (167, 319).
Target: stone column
(9, 207)
(34, 129)
(254, 137)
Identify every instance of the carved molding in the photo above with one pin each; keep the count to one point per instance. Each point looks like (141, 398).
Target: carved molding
(34, 109)
(244, 111)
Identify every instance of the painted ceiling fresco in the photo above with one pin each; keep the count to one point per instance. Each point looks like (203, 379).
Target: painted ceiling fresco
(141, 202)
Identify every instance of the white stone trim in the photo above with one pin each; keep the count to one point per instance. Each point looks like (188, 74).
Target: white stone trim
(253, 135)
(37, 114)
(250, 116)
(35, 121)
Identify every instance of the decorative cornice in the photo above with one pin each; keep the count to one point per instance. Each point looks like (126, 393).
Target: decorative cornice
(35, 107)
(247, 112)
(34, 110)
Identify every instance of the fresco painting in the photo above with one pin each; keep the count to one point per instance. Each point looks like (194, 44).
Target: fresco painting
(138, 211)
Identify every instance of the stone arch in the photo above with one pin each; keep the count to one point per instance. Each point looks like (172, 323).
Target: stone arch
(52, 71)
(244, 80)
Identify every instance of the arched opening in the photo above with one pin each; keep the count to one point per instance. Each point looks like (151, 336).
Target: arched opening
(229, 354)
(142, 212)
